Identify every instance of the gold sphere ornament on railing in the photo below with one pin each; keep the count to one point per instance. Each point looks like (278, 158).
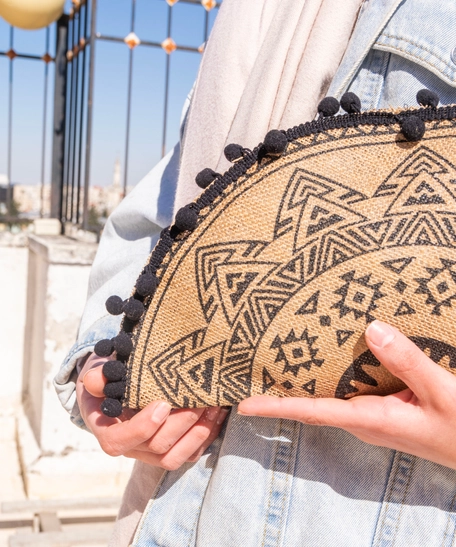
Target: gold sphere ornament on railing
(31, 14)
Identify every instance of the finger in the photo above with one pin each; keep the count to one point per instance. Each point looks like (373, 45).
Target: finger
(213, 435)
(359, 412)
(406, 361)
(117, 437)
(94, 381)
(187, 445)
(177, 424)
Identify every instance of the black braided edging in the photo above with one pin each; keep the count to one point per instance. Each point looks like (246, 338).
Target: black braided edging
(171, 235)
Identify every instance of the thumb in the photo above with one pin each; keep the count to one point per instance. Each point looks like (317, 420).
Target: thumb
(94, 381)
(406, 361)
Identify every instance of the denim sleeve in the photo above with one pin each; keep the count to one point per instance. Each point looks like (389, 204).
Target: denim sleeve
(129, 236)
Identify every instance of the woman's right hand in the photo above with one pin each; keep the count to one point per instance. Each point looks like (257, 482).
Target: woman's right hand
(156, 435)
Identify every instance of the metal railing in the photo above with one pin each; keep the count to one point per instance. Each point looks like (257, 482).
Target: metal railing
(76, 37)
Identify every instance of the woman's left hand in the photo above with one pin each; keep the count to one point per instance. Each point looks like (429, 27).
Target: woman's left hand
(420, 420)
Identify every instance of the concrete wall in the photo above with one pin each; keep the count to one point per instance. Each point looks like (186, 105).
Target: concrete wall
(13, 293)
(43, 291)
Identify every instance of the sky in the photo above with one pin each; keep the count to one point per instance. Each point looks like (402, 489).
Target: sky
(110, 92)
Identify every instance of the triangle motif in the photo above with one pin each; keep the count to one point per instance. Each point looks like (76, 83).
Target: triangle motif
(310, 387)
(404, 309)
(309, 307)
(268, 380)
(398, 265)
(343, 336)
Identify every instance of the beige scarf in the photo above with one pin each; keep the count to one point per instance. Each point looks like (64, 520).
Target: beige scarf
(266, 66)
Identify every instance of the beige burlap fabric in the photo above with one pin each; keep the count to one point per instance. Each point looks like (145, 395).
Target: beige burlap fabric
(273, 290)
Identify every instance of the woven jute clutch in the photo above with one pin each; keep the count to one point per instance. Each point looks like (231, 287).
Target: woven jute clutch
(267, 282)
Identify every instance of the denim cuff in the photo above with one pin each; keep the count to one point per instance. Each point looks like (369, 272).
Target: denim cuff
(65, 380)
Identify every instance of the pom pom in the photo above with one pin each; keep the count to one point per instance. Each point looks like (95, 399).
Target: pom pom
(350, 103)
(275, 143)
(114, 371)
(111, 408)
(104, 348)
(133, 309)
(329, 106)
(186, 218)
(426, 97)
(234, 152)
(413, 128)
(115, 390)
(205, 177)
(114, 305)
(146, 284)
(123, 345)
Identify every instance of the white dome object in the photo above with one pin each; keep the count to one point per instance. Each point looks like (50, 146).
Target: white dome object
(31, 14)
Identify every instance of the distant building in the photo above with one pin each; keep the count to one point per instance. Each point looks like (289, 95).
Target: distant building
(34, 200)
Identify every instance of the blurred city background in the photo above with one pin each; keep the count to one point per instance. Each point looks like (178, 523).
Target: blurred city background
(88, 105)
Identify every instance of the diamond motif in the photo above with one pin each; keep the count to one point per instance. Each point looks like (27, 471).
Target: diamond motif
(169, 45)
(47, 58)
(208, 4)
(11, 54)
(202, 47)
(132, 40)
(358, 296)
(82, 43)
(69, 56)
(171, 2)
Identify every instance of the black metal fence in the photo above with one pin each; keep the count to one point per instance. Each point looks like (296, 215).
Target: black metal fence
(74, 56)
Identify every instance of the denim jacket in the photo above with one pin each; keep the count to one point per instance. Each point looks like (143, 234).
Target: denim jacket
(277, 483)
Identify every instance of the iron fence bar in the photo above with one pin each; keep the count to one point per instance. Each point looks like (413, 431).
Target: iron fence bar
(206, 26)
(69, 71)
(43, 147)
(93, 22)
(75, 83)
(107, 38)
(58, 140)
(165, 106)
(69, 121)
(130, 77)
(10, 124)
(22, 55)
(81, 113)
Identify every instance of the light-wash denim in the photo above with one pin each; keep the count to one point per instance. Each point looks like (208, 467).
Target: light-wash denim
(277, 483)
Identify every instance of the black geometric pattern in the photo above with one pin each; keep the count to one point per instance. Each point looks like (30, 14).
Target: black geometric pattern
(321, 219)
(439, 287)
(358, 296)
(296, 353)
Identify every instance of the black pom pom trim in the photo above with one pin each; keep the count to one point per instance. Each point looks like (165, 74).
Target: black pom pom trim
(275, 143)
(205, 177)
(115, 390)
(426, 97)
(111, 408)
(114, 371)
(413, 128)
(146, 284)
(104, 348)
(351, 103)
(123, 345)
(133, 309)
(234, 152)
(186, 218)
(114, 305)
(329, 106)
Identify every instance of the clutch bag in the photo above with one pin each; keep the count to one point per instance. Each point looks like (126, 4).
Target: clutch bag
(266, 283)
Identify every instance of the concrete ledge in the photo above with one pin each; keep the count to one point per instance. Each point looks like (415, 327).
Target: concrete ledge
(62, 249)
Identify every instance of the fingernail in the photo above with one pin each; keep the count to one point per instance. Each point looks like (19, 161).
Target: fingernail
(211, 413)
(380, 334)
(87, 373)
(161, 412)
(223, 414)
